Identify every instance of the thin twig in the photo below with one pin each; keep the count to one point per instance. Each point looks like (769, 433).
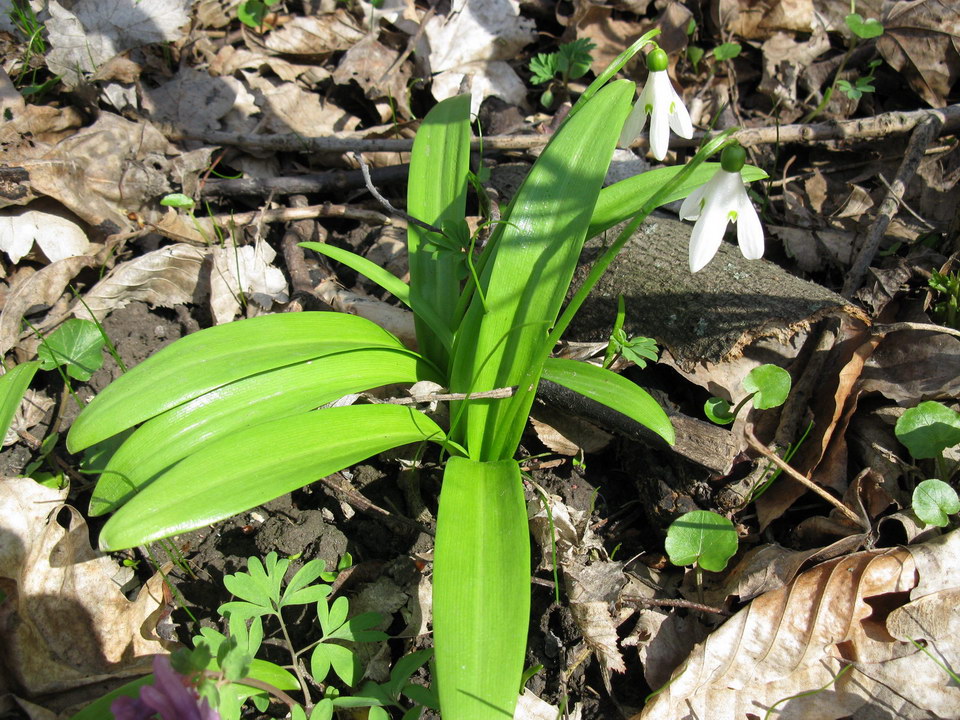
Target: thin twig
(901, 326)
(919, 140)
(386, 203)
(676, 603)
(444, 397)
(340, 486)
(877, 126)
(806, 482)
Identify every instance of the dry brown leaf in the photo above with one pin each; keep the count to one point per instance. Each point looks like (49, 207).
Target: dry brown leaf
(315, 35)
(101, 172)
(192, 100)
(41, 289)
(843, 612)
(566, 434)
(166, 277)
(246, 271)
(65, 623)
(610, 35)
(370, 64)
(753, 20)
(32, 410)
(921, 39)
(288, 108)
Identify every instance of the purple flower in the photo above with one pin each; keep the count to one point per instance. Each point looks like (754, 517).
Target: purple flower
(171, 696)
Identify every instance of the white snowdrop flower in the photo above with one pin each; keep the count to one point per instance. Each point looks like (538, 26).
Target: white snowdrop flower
(721, 199)
(661, 102)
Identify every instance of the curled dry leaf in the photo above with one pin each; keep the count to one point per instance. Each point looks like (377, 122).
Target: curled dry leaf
(32, 410)
(315, 34)
(474, 40)
(41, 289)
(246, 273)
(862, 611)
(166, 277)
(65, 622)
(56, 236)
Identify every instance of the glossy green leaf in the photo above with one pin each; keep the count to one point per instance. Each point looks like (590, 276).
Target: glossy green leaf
(703, 538)
(244, 403)
(13, 386)
(933, 501)
(526, 279)
(718, 410)
(623, 199)
(255, 465)
(611, 389)
(437, 195)
(771, 385)
(481, 591)
(77, 345)
(928, 429)
(212, 358)
(864, 29)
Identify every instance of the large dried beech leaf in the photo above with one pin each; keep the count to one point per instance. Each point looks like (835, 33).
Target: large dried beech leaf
(860, 610)
(41, 289)
(316, 35)
(93, 31)
(57, 236)
(473, 41)
(102, 172)
(65, 622)
(166, 277)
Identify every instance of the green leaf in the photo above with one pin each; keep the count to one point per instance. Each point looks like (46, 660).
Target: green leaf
(212, 358)
(928, 429)
(243, 586)
(771, 385)
(502, 341)
(701, 537)
(695, 55)
(323, 710)
(544, 66)
(77, 345)
(343, 661)
(245, 403)
(718, 410)
(304, 576)
(177, 200)
(335, 616)
(637, 350)
(546, 99)
(727, 51)
(404, 668)
(255, 465)
(933, 501)
(575, 58)
(611, 389)
(13, 386)
(357, 629)
(863, 29)
(437, 195)
(624, 199)
(481, 590)
(99, 709)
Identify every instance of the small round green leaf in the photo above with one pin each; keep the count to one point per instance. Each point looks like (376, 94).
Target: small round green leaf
(771, 385)
(701, 537)
(177, 200)
(718, 410)
(928, 429)
(77, 345)
(933, 501)
(864, 29)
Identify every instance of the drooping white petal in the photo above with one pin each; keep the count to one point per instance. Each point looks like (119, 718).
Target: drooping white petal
(634, 124)
(659, 130)
(749, 229)
(679, 117)
(707, 235)
(690, 208)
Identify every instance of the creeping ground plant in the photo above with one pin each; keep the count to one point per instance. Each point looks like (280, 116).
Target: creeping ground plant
(236, 415)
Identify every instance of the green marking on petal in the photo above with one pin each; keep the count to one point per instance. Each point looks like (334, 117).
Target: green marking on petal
(673, 107)
(732, 216)
(648, 108)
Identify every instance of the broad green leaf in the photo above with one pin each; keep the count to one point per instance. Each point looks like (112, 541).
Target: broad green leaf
(77, 345)
(437, 195)
(864, 29)
(771, 385)
(245, 403)
(481, 589)
(323, 710)
(405, 667)
(928, 429)
(611, 389)
(701, 537)
(933, 501)
(526, 278)
(727, 51)
(13, 386)
(212, 358)
(623, 199)
(256, 465)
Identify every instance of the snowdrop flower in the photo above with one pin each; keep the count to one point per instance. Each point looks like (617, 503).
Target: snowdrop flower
(721, 199)
(661, 102)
